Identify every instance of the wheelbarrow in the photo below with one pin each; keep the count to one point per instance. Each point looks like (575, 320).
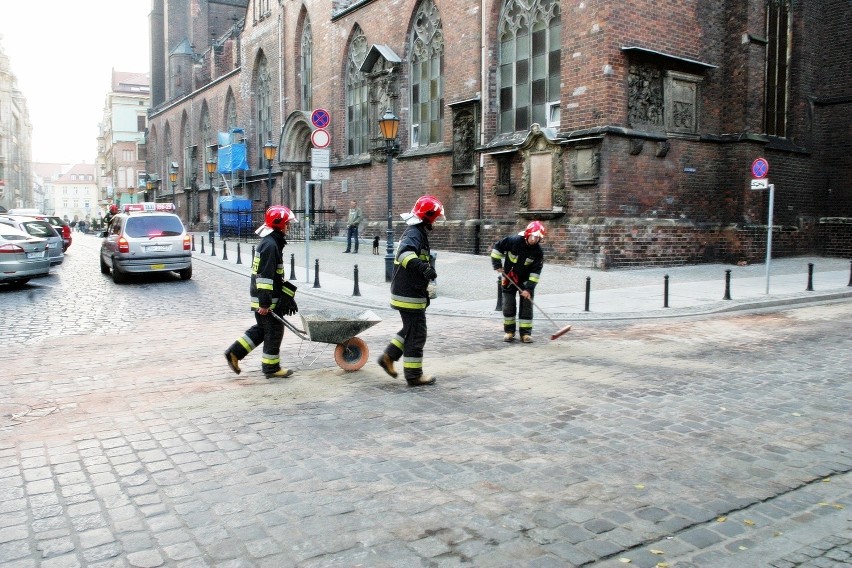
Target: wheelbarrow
(338, 328)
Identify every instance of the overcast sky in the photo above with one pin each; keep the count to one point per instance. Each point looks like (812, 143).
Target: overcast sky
(63, 54)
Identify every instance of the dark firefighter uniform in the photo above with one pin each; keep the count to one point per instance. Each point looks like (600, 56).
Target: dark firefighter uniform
(268, 290)
(411, 274)
(522, 263)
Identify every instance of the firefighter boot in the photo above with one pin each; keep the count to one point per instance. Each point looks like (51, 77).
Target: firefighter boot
(281, 373)
(421, 381)
(526, 339)
(233, 362)
(386, 363)
(509, 337)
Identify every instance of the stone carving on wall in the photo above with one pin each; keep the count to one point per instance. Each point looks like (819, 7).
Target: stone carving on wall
(681, 91)
(585, 164)
(644, 96)
(543, 180)
(464, 141)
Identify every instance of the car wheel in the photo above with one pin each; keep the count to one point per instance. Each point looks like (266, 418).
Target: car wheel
(104, 267)
(118, 276)
(186, 273)
(18, 283)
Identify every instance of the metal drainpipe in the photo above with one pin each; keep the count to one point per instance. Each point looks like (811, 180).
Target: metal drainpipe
(482, 90)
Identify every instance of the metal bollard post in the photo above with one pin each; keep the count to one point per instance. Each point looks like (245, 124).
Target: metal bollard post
(292, 266)
(212, 248)
(239, 260)
(810, 287)
(499, 307)
(727, 285)
(666, 291)
(588, 291)
(224, 250)
(356, 291)
(193, 243)
(850, 273)
(316, 273)
(202, 246)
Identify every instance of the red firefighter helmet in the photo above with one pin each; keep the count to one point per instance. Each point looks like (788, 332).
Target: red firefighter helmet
(113, 209)
(427, 209)
(535, 229)
(276, 217)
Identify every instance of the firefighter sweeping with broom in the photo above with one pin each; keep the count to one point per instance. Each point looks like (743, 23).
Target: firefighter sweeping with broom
(519, 259)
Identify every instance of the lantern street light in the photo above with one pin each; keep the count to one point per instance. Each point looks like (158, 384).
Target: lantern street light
(269, 150)
(389, 126)
(173, 171)
(211, 169)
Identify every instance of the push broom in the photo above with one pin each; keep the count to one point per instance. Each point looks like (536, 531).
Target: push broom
(559, 332)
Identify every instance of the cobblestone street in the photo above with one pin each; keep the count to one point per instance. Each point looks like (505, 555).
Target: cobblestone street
(126, 441)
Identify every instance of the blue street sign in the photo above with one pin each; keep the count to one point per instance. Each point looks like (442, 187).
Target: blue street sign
(760, 168)
(320, 118)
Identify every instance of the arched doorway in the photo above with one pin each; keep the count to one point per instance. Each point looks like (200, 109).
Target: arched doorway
(295, 158)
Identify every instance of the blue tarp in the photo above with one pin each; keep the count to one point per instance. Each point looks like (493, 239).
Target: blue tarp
(235, 216)
(232, 158)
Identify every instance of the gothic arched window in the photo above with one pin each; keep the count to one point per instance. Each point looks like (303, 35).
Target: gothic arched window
(357, 107)
(263, 100)
(307, 65)
(427, 71)
(529, 72)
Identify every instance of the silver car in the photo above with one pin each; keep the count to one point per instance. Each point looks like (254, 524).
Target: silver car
(146, 237)
(22, 256)
(41, 229)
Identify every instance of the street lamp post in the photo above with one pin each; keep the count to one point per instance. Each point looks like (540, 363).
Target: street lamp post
(173, 171)
(269, 150)
(211, 169)
(389, 126)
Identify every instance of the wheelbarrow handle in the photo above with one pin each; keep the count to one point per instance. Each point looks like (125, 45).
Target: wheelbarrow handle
(299, 332)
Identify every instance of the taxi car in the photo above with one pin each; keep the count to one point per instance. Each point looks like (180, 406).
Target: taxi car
(146, 237)
(22, 256)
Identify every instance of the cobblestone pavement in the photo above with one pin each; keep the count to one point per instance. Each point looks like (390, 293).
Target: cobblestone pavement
(126, 441)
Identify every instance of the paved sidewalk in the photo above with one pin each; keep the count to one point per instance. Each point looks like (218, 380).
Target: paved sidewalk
(468, 287)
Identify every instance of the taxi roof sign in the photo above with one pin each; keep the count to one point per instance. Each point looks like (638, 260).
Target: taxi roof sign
(148, 206)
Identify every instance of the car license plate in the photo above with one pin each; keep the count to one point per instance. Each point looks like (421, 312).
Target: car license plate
(53, 245)
(39, 254)
(158, 266)
(157, 248)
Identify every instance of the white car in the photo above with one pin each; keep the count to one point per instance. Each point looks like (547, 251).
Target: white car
(146, 237)
(41, 229)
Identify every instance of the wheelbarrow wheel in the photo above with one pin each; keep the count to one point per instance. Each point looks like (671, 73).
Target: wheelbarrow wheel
(352, 354)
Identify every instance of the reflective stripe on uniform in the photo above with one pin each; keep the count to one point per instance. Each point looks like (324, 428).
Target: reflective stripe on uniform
(408, 303)
(509, 321)
(412, 362)
(255, 303)
(247, 343)
(497, 255)
(398, 341)
(268, 359)
(533, 278)
(525, 324)
(406, 257)
(263, 283)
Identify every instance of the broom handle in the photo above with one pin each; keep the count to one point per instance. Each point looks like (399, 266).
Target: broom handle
(531, 300)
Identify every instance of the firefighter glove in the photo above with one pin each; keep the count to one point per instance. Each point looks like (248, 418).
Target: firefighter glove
(288, 299)
(429, 272)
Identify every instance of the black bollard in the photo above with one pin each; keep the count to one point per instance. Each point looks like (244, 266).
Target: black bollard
(316, 273)
(252, 253)
(850, 273)
(212, 248)
(499, 307)
(727, 285)
(588, 291)
(666, 291)
(224, 250)
(202, 246)
(810, 287)
(193, 243)
(356, 291)
(292, 266)
(239, 260)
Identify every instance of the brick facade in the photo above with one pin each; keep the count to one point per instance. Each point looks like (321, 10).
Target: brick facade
(612, 190)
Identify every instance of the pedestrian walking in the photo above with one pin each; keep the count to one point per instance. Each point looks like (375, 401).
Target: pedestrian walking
(270, 293)
(352, 222)
(519, 259)
(411, 275)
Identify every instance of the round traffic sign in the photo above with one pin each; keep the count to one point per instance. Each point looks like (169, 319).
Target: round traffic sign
(760, 168)
(320, 118)
(320, 138)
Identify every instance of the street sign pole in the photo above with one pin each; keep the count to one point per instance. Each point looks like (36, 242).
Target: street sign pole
(769, 233)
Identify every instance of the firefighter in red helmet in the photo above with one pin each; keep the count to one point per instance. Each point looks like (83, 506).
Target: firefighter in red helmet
(412, 273)
(270, 292)
(519, 259)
